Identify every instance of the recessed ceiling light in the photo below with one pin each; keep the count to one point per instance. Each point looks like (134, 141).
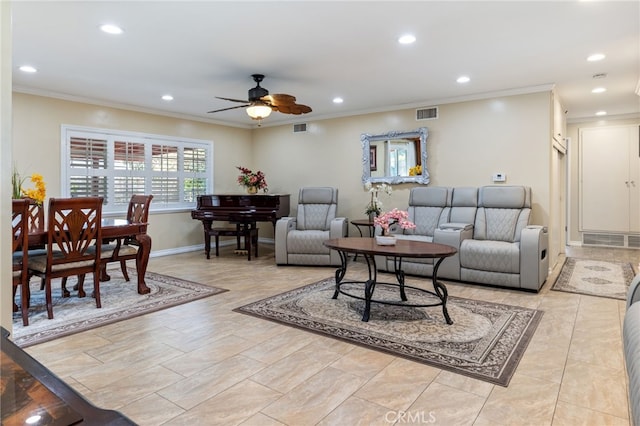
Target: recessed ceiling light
(338, 100)
(601, 113)
(28, 68)
(599, 90)
(463, 79)
(111, 29)
(407, 39)
(595, 57)
(167, 97)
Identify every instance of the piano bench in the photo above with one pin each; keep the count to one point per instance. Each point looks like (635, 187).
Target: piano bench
(250, 238)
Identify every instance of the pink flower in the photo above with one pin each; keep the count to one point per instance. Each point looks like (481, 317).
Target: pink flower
(400, 217)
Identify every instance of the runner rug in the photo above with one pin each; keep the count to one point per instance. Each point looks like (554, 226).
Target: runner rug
(595, 278)
(486, 340)
(120, 300)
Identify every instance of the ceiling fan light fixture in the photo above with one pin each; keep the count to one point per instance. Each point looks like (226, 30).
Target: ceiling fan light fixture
(258, 111)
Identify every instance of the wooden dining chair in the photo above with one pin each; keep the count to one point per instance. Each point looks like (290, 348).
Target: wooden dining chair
(19, 222)
(127, 248)
(73, 228)
(35, 219)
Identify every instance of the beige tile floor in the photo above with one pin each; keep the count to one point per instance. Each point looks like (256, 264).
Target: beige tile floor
(203, 364)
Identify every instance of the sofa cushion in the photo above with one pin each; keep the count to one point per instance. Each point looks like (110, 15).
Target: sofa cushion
(316, 208)
(496, 256)
(502, 213)
(496, 224)
(504, 197)
(307, 242)
(464, 204)
(428, 208)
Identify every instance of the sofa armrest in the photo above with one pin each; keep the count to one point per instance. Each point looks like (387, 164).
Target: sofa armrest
(633, 294)
(283, 226)
(452, 234)
(631, 346)
(534, 257)
(339, 228)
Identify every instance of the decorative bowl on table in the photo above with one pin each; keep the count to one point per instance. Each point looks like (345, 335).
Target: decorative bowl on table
(385, 240)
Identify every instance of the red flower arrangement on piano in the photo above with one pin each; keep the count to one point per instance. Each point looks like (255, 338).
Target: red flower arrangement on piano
(252, 181)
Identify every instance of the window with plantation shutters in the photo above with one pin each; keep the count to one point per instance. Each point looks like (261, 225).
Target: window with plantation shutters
(116, 165)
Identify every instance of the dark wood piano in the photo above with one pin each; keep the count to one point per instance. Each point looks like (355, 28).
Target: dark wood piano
(244, 210)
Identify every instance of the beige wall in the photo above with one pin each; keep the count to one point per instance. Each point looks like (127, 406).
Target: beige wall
(573, 130)
(467, 144)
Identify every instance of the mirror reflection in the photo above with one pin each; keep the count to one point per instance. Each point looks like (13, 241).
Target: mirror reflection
(395, 157)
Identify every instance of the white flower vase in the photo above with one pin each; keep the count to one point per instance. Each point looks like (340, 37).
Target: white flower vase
(385, 240)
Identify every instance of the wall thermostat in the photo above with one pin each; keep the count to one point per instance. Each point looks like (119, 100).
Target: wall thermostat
(499, 177)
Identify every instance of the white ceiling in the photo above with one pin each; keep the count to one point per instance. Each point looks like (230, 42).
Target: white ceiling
(319, 50)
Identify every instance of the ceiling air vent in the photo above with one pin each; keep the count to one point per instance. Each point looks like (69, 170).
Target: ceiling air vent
(430, 113)
(300, 127)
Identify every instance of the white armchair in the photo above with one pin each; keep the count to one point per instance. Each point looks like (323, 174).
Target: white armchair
(299, 240)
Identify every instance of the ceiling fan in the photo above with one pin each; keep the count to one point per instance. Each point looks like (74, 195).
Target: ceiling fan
(261, 103)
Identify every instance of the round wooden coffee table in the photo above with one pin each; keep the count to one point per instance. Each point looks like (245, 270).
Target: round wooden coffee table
(403, 248)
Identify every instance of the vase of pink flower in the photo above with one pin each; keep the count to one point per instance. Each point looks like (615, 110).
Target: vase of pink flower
(386, 220)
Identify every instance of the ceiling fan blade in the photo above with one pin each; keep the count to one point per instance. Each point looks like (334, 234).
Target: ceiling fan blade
(296, 109)
(232, 100)
(280, 99)
(226, 109)
(286, 104)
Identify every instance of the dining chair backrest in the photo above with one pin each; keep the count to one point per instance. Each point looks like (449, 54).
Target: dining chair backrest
(20, 248)
(35, 222)
(138, 211)
(74, 224)
(19, 222)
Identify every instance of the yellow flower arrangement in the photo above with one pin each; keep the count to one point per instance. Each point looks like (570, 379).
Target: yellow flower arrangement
(416, 170)
(38, 193)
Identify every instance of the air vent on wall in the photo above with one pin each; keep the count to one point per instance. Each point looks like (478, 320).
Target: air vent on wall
(430, 113)
(300, 127)
(611, 240)
(633, 241)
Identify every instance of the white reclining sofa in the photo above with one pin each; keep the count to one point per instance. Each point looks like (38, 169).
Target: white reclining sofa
(489, 226)
(631, 344)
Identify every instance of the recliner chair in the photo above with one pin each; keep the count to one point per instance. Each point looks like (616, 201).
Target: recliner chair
(505, 250)
(299, 240)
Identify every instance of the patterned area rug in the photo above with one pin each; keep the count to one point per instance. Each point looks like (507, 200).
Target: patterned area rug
(486, 340)
(120, 301)
(595, 278)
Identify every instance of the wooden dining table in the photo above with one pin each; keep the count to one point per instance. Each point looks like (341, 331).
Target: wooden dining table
(112, 229)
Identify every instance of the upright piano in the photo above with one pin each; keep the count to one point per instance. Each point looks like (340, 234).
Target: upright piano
(244, 210)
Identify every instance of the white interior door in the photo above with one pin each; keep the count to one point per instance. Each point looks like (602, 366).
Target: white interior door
(604, 176)
(634, 179)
